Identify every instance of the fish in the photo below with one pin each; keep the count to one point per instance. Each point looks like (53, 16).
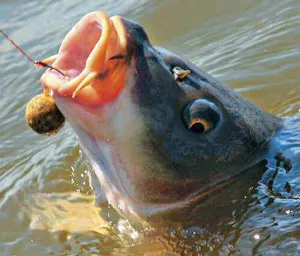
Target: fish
(159, 132)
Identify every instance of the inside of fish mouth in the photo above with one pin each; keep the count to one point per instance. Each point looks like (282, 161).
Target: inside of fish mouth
(75, 54)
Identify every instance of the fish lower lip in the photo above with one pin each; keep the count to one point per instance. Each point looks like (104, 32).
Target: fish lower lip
(84, 59)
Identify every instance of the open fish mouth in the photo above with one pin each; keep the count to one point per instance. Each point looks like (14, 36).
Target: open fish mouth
(92, 58)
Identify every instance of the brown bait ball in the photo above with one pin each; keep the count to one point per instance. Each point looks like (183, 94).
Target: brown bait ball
(43, 116)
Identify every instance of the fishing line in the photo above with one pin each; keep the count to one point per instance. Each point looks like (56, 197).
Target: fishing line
(37, 63)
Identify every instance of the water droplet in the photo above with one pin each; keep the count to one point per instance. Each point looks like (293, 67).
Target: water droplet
(288, 212)
(134, 235)
(256, 236)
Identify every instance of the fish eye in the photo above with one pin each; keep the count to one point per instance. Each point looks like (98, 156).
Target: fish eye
(201, 116)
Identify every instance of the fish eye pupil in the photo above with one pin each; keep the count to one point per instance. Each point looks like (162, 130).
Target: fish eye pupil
(201, 116)
(200, 125)
(197, 128)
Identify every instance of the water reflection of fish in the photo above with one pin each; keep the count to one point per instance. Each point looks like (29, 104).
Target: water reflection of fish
(160, 133)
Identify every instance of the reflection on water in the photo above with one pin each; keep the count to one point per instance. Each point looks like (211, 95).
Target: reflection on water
(46, 203)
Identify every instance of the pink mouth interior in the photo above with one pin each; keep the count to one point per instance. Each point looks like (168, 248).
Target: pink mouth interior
(83, 57)
(77, 47)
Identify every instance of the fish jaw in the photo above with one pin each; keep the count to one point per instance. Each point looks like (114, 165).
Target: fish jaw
(86, 57)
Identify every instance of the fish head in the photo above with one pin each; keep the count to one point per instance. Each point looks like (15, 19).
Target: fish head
(159, 132)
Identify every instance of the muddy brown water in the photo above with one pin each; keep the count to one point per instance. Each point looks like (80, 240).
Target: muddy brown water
(46, 202)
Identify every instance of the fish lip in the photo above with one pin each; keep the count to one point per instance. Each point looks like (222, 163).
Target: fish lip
(98, 58)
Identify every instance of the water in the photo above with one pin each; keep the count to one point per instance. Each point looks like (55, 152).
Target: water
(46, 202)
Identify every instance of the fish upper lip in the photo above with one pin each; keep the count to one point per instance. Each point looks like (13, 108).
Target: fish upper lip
(85, 55)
